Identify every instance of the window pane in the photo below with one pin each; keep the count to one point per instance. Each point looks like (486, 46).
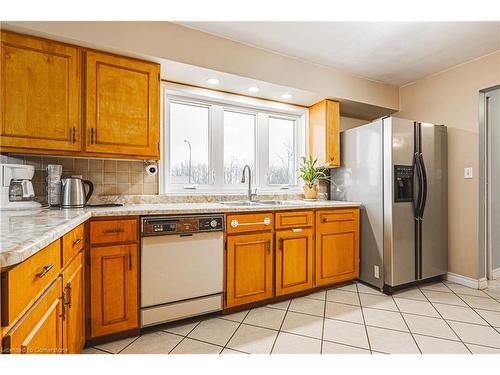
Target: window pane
(188, 137)
(281, 151)
(239, 145)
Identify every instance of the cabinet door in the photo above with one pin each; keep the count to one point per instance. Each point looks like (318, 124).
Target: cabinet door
(40, 94)
(337, 246)
(332, 133)
(324, 132)
(113, 289)
(122, 106)
(249, 268)
(40, 330)
(73, 282)
(294, 260)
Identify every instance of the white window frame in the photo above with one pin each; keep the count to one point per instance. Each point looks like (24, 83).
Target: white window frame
(217, 103)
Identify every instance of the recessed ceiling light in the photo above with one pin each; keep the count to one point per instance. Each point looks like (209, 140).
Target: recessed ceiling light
(253, 89)
(286, 96)
(213, 81)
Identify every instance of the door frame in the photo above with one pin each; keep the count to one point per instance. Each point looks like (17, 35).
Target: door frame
(485, 254)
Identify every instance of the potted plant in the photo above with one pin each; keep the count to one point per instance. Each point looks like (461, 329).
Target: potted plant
(311, 175)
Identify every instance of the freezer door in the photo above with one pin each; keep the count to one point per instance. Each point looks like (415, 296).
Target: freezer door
(360, 179)
(434, 257)
(399, 220)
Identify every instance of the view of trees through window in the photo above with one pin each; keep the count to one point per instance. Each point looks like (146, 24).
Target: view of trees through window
(281, 151)
(239, 145)
(188, 143)
(209, 144)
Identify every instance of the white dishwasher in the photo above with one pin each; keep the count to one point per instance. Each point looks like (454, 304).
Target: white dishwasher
(181, 267)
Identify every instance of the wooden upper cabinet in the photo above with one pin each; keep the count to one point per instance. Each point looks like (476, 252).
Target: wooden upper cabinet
(249, 268)
(294, 260)
(324, 132)
(122, 106)
(40, 94)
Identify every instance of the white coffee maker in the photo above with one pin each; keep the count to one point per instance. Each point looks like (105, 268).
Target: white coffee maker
(16, 187)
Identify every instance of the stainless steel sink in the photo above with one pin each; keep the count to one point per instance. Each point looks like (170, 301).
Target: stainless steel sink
(259, 203)
(239, 203)
(276, 203)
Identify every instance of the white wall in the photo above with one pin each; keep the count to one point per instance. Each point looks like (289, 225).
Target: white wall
(170, 41)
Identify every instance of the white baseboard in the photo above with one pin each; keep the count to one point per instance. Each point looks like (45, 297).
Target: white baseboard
(466, 281)
(495, 274)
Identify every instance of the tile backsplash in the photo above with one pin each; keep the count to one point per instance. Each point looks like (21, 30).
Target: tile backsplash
(110, 177)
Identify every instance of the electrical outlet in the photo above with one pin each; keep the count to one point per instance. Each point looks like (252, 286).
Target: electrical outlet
(468, 172)
(376, 272)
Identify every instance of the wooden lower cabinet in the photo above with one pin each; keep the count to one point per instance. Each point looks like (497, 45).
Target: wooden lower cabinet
(113, 289)
(337, 246)
(249, 268)
(294, 260)
(73, 292)
(41, 329)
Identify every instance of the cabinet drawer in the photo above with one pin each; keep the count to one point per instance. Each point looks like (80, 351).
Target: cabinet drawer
(249, 222)
(72, 243)
(294, 219)
(24, 283)
(113, 231)
(338, 218)
(40, 329)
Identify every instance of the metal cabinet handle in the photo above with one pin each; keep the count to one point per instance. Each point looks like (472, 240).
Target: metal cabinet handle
(73, 137)
(67, 299)
(280, 244)
(268, 247)
(63, 308)
(297, 230)
(91, 135)
(44, 271)
(129, 261)
(235, 223)
(114, 230)
(76, 242)
(324, 220)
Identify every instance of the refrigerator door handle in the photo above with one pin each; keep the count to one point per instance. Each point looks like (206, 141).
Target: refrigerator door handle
(418, 204)
(424, 185)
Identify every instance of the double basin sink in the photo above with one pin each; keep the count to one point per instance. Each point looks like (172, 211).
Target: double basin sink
(260, 203)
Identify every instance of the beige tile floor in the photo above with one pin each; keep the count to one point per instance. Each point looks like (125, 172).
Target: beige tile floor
(440, 318)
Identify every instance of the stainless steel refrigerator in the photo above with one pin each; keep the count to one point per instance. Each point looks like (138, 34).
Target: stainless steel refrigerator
(397, 169)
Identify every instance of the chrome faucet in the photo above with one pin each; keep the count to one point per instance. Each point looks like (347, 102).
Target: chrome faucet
(250, 194)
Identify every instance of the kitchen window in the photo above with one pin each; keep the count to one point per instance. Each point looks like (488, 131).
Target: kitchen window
(208, 137)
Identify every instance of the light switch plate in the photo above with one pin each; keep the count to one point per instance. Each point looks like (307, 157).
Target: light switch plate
(468, 172)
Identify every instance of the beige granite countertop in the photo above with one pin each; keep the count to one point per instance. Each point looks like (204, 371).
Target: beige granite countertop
(23, 233)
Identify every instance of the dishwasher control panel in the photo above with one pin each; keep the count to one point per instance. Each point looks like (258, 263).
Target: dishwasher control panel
(164, 225)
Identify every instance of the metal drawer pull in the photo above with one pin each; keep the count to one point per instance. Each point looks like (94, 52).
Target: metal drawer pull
(114, 230)
(297, 230)
(76, 242)
(236, 224)
(45, 270)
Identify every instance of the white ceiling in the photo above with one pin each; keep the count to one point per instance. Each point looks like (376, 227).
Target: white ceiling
(391, 52)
